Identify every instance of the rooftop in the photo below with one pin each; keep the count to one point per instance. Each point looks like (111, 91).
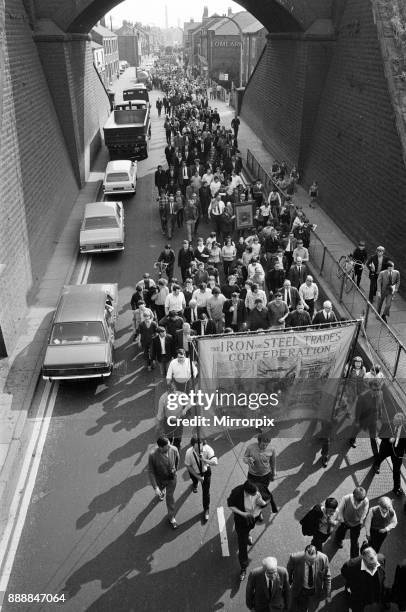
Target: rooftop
(245, 20)
(104, 32)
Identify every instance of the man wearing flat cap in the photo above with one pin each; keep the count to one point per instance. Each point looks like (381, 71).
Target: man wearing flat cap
(268, 588)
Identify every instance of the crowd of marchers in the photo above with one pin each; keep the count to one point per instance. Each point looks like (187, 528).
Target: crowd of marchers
(229, 277)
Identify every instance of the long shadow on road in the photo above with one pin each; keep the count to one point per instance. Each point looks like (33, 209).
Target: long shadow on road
(125, 570)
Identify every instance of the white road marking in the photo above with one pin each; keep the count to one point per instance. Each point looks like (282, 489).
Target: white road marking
(223, 532)
(26, 483)
(29, 471)
(84, 271)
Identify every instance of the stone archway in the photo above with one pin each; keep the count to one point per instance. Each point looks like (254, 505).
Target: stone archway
(276, 15)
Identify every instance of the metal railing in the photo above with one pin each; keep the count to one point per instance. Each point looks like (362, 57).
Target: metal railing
(389, 348)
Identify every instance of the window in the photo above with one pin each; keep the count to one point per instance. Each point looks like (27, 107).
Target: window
(117, 177)
(80, 332)
(94, 223)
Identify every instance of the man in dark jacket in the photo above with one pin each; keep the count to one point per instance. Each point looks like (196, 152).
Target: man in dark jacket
(368, 413)
(360, 255)
(246, 502)
(310, 579)
(268, 588)
(325, 317)
(320, 521)
(299, 317)
(205, 198)
(185, 258)
(258, 317)
(162, 349)
(234, 312)
(172, 323)
(298, 273)
(365, 579)
(398, 594)
(204, 326)
(168, 256)
(393, 445)
(160, 179)
(376, 263)
(146, 330)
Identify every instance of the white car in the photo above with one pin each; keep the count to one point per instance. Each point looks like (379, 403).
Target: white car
(102, 228)
(120, 177)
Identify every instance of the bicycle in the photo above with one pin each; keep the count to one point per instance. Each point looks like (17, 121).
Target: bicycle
(346, 268)
(160, 267)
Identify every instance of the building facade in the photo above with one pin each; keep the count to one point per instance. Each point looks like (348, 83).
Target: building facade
(99, 59)
(108, 40)
(229, 47)
(128, 43)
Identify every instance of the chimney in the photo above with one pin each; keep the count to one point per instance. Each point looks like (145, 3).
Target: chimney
(103, 21)
(205, 14)
(229, 12)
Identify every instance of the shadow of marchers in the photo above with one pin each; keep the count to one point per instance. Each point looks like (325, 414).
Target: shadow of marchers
(330, 479)
(204, 578)
(118, 497)
(123, 408)
(138, 445)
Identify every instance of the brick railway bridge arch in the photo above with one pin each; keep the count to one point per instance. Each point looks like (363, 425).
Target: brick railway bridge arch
(319, 97)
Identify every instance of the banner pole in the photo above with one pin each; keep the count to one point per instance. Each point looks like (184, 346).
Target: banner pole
(349, 359)
(191, 347)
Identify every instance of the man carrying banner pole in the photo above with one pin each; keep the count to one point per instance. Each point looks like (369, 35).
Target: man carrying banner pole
(260, 459)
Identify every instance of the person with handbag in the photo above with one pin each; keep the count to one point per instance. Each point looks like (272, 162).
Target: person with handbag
(246, 502)
(320, 521)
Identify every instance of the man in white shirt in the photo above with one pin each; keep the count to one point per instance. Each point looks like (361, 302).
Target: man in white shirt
(215, 211)
(175, 301)
(172, 432)
(236, 180)
(365, 581)
(208, 177)
(201, 296)
(215, 186)
(309, 293)
(179, 371)
(300, 251)
(198, 459)
(215, 309)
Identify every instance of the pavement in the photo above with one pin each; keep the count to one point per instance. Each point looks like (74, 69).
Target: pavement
(300, 478)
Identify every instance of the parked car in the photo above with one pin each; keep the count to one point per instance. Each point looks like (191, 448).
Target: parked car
(102, 227)
(120, 177)
(81, 340)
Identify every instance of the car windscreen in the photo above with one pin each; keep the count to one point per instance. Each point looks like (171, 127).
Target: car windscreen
(105, 222)
(117, 177)
(78, 332)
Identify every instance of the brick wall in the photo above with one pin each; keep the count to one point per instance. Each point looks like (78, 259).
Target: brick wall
(355, 152)
(37, 180)
(37, 185)
(336, 120)
(80, 99)
(273, 100)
